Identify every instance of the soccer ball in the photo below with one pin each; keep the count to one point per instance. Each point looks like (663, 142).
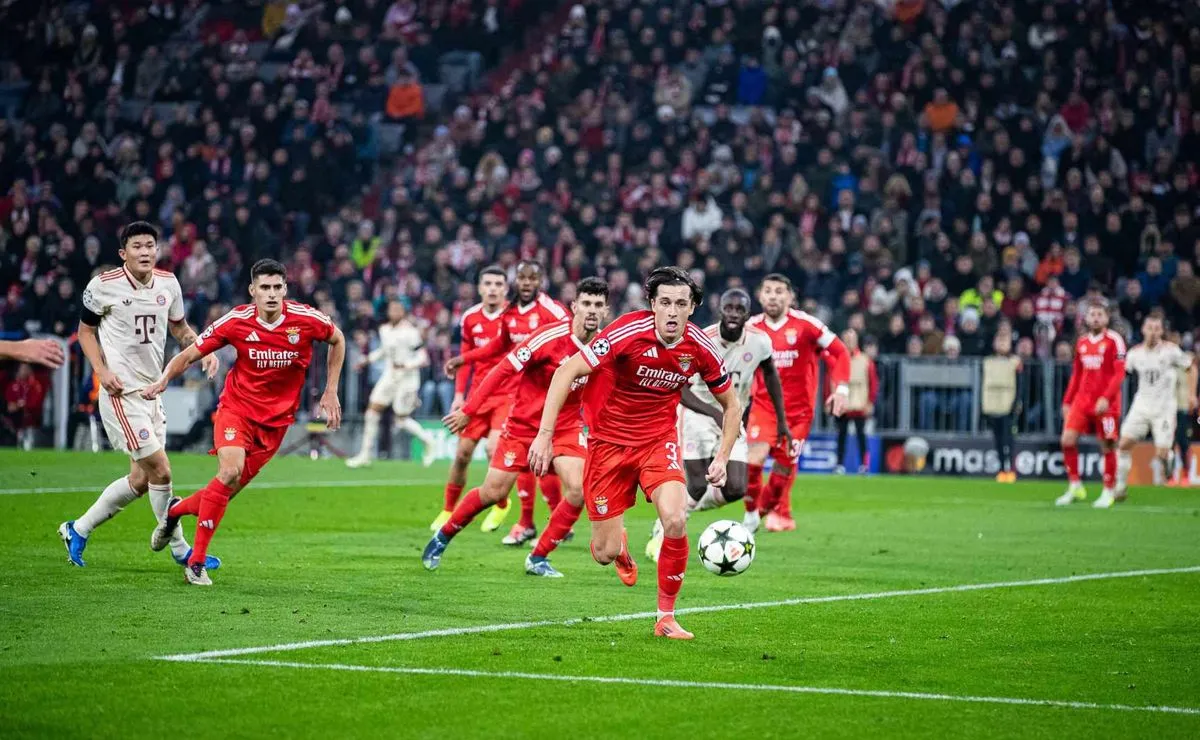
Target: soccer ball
(726, 548)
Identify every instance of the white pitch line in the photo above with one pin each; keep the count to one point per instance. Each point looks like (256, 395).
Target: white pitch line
(486, 628)
(392, 482)
(668, 683)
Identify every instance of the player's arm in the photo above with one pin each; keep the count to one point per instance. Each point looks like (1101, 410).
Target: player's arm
(176, 367)
(837, 364)
(731, 429)
(93, 310)
(770, 377)
(186, 336)
(1108, 399)
(419, 360)
(493, 350)
(692, 402)
(329, 405)
(37, 351)
(461, 371)
(1192, 373)
(497, 378)
(541, 452)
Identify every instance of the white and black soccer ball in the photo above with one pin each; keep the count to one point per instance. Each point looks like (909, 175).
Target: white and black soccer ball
(726, 548)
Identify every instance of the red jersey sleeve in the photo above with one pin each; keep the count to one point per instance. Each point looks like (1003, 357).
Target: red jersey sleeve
(464, 370)
(710, 364)
(220, 332)
(496, 379)
(490, 351)
(610, 343)
(1113, 391)
(1076, 376)
(319, 323)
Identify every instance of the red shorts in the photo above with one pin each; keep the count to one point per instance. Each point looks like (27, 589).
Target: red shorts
(489, 419)
(613, 473)
(260, 442)
(512, 453)
(762, 429)
(1082, 419)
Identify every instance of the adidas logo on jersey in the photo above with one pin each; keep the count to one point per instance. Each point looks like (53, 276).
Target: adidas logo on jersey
(252, 337)
(652, 352)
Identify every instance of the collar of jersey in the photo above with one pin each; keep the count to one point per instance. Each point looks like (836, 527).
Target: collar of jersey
(265, 325)
(670, 345)
(492, 316)
(782, 320)
(134, 281)
(526, 309)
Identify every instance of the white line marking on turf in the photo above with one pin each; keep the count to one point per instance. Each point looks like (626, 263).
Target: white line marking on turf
(667, 683)
(391, 482)
(486, 628)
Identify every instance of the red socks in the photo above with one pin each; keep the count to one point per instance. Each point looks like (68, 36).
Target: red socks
(466, 510)
(526, 493)
(774, 491)
(189, 506)
(784, 507)
(551, 490)
(1110, 469)
(214, 499)
(1071, 461)
(672, 562)
(453, 491)
(754, 486)
(564, 517)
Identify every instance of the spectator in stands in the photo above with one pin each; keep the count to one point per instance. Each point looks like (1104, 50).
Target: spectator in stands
(24, 396)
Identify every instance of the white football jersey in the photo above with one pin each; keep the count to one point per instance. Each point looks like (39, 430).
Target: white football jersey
(402, 348)
(1157, 373)
(134, 321)
(742, 359)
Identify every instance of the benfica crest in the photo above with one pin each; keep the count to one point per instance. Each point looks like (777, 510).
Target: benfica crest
(510, 457)
(533, 322)
(293, 334)
(791, 336)
(230, 434)
(601, 505)
(685, 362)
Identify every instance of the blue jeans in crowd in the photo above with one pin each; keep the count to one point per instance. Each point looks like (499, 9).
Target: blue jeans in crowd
(436, 397)
(944, 410)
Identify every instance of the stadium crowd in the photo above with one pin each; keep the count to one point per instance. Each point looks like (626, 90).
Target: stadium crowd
(922, 170)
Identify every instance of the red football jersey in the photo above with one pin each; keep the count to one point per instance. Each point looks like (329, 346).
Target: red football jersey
(798, 339)
(528, 369)
(648, 377)
(1098, 370)
(478, 328)
(517, 324)
(266, 378)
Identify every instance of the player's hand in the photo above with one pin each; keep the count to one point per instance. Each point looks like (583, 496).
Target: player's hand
(1101, 406)
(210, 365)
(113, 386)
(457, 403)
(331, 409)
(452, 365)
(717, 472)
(152, 391)
(783, 433)
(1192, 403)
(541, 453)
(456, 421)
(39, 352)
(1066, 411)
(835, 405)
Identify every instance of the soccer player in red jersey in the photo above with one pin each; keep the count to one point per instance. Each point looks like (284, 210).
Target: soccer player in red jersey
(531, 309)
(480, 324)
(274, 340)
(649, 357)
(1092, 403)
(798, 340)
(528, 369)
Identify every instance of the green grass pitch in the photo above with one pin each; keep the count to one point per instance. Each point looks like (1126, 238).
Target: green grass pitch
(322, 554)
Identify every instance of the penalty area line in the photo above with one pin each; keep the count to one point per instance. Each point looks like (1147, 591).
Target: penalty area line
(488, 628)
(672, 684)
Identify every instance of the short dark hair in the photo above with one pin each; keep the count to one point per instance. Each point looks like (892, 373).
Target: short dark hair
(494, 270)
(661, 276)
(138, 228)
(779, 277)
(267, 267)
(592, 286)
(732, 293)
(530, 263)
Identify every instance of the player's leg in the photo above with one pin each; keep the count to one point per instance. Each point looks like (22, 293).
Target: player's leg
(610, 482)
(208, 505)
(1074, 424)
(1183, 428)
(495, 518)
(562, 518)
(670, 499)
(406, 401)
(1107, 434)
(456, 479)
(370, 435)
(860, 436)
(760, 436)
(525, 529)
(843, 426)
(494, 489)
(782, 478)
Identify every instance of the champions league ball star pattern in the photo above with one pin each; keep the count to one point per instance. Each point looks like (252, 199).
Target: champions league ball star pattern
(726, 548)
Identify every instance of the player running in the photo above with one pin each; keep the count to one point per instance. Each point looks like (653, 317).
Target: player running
(274, 340)
(479, 325)
(122, 330)
(647, 358)
(1156, 363)
(746, 350)
(529, 367)
(403, 347)
(532, 309)
(1092, 402)
(797, 340)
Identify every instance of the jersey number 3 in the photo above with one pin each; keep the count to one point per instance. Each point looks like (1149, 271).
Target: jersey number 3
(143, 327)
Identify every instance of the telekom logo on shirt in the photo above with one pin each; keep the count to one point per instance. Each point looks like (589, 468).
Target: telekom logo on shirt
(653, 377)
(268, 358)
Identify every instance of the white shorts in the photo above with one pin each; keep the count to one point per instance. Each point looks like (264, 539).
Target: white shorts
(702, 438)
(134, 425)
(402, 394)
(1160, 426)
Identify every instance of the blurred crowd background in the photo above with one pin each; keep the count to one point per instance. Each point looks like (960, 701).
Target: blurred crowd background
(922, 170)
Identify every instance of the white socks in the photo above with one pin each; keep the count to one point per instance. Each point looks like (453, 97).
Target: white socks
(115, 497)
(370, 434)
(411, 426)
(1124, 465)
(160, 501)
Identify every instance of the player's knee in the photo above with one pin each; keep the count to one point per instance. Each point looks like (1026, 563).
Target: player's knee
(605, 552)
(160, 472)
(674, 523)
(138, 481)
(696, 489)
(229, 474)
(1067, 439)
(734, 490)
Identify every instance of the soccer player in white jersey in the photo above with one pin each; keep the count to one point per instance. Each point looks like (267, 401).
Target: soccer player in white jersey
(402, 348)
(746, 350)
(123, 326)
(1156, 363)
